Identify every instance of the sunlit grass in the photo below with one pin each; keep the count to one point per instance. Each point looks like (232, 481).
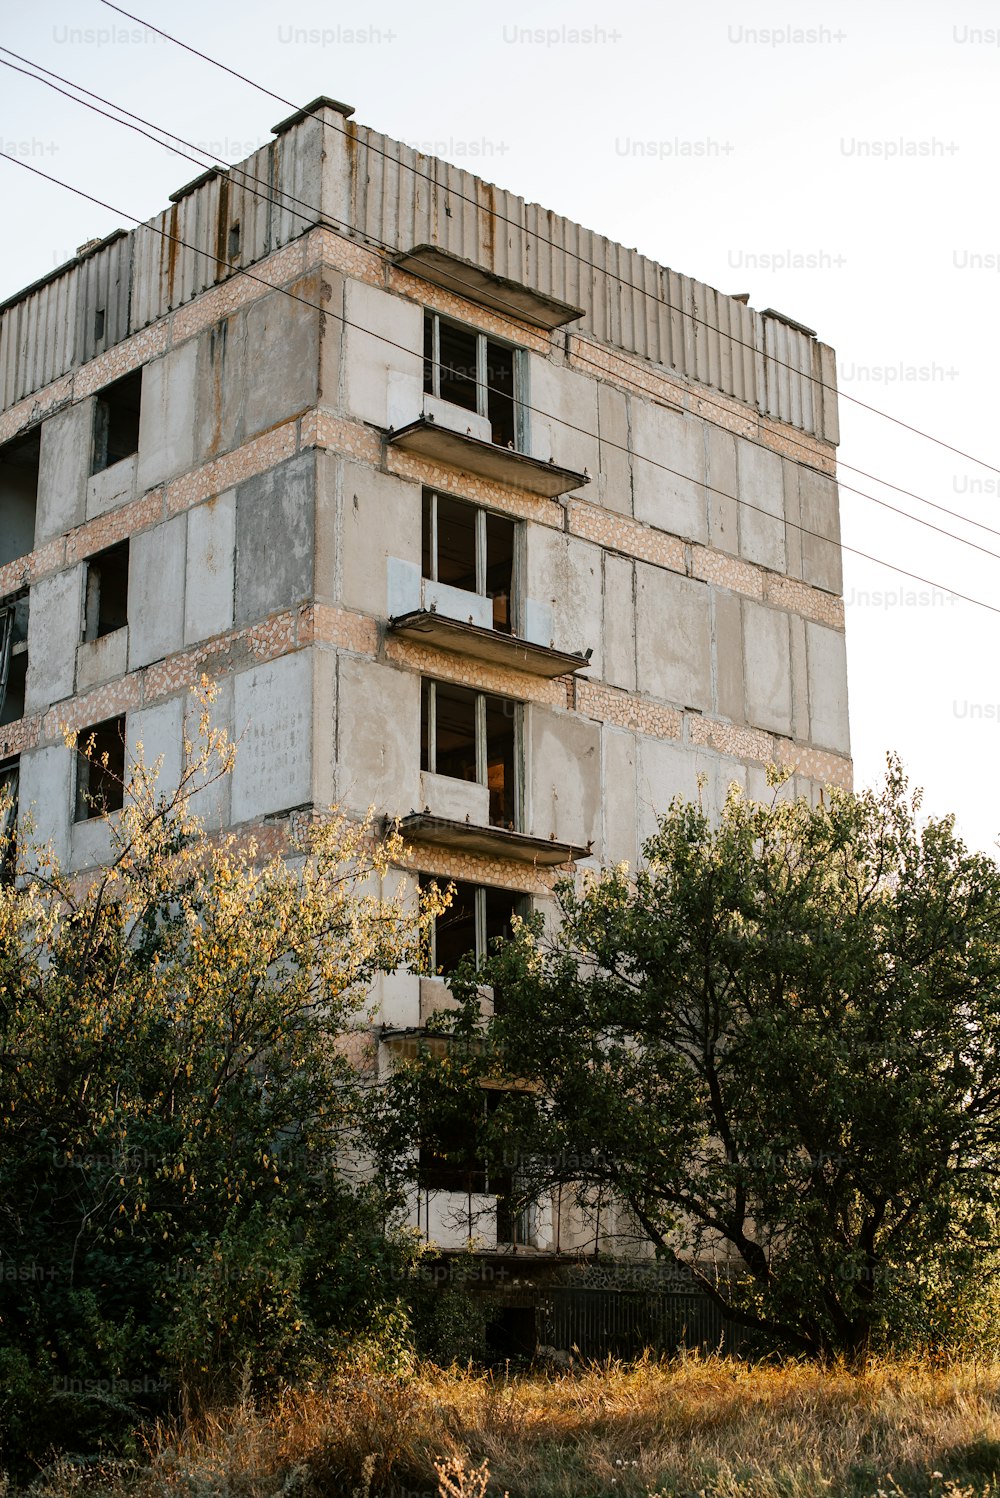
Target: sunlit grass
(712, 1427)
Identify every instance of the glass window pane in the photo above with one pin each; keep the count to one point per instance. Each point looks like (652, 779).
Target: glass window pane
(458, 366)
(456, 732)
(455, 930)
(500, 569)
(500, 393)
(456, 544)
(427, 536)
(500, 760)
(429, 352)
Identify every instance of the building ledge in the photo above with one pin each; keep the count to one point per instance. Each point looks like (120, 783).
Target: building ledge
(485, 287)
(495, 842)
(485, 459)
(428, 627)
(323, 102)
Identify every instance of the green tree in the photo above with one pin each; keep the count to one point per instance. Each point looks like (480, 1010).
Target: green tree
(184, 1053)
(779, 1044)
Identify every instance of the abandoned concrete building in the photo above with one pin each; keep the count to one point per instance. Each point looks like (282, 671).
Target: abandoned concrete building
(472, 515)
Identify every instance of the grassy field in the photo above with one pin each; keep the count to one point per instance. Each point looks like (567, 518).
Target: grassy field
(694, 1427)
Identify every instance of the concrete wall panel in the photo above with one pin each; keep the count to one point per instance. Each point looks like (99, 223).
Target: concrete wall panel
(67, 440)
(378, 375)
(673, 637)
(167, 416)
(45, 796)
(378, 736)
(563, 420)
(210, 568)
(669, 490)
(827, 656)
(54, 621)
(768, 668)
(564, 775)
(156, 592)
(273, 717)
(620, 842)
(619, 622)
(381, 519)
(282, 357)
(275, 527)
(762, 505)
(564, 574)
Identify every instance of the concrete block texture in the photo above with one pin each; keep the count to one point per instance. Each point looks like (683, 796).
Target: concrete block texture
(55, 615)
(102, 660)
(729, 672)
(157, 732)
(378, 736)
(156, 592)
(762, 505)
(275, 527)
(67, 444)
(619, 622)
(619, 840)
(45, 797)
(167, 416)
(614, 485)
(380, 518)
(210, 568)
(375, 369)
(257, 367)
(723, 490)
(112, 487)
(673, 637)
(272, 711)
(768, 668)
(565, 574)
(563, 420)
(563, 771)
(668, 470)
(827, 657)
(819, 508)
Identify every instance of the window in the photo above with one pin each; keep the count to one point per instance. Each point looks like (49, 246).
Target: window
(106, 604)
(13, 657)
(116, 422)
(449, 1157)
(477, 917)
(472, 736)
(18, 495)
(473, 371)
(100, 769)
(9, 777)
(470, 548)
(233, 243)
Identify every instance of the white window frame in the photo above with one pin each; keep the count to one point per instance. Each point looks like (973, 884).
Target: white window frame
(482, 365)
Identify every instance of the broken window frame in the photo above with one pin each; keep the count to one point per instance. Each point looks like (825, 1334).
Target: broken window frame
(520, 906)
(430, 551)
(94, 593)
(518, 397)
(429, 744)
(10, 778)
(90, 804)
(106, 423)
(11, 457)
(12, 648)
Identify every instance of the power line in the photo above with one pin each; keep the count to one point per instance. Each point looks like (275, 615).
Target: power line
(316, 307)
(517, 224)
(271, 193)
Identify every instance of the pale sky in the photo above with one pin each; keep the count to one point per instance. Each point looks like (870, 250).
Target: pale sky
(837, 163)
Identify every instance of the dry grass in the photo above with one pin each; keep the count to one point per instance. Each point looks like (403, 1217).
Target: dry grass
(713, 1427)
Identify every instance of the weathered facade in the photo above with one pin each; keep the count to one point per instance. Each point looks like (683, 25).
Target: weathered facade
(471, 515)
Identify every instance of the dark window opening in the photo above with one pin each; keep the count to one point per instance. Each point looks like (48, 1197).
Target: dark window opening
(475, 372)
(106, 607)
(98, 324)
(13, 658)
(116, 422)
(19, 461)
(469, 735)
(469, 548)
(100, 769)
(234, 241)
(478, 917)
(451, 1159)
(9, 778)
